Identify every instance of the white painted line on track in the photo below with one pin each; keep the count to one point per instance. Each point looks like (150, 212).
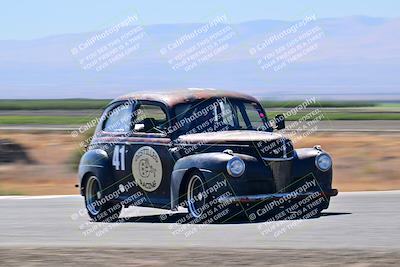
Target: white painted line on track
(38, 197)
(370, 192)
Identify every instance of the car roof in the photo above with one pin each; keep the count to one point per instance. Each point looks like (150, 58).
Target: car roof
(172, 98)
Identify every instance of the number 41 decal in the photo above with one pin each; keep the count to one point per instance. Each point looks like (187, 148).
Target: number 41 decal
(119, 158)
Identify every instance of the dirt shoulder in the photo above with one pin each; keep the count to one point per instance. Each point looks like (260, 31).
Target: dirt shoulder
(362, 161)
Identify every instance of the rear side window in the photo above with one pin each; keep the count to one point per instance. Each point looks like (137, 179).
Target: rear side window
(119, 119)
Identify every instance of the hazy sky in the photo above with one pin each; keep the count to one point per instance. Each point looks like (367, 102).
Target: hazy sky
(33, 19)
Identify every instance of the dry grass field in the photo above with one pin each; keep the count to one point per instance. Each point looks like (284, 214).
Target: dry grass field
(51, 171)
(361, 161)
(367, 162)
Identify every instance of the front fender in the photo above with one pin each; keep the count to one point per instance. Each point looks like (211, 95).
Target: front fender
(304, 153)
(213, 167)
(304, 166)
(210, 164)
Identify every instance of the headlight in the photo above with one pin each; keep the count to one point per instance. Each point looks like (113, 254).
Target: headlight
(235, 167)
(323, 162)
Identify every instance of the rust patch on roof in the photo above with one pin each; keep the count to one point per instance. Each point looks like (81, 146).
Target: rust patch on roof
(172, 98)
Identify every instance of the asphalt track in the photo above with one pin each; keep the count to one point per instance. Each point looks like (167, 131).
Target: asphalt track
(365, 220)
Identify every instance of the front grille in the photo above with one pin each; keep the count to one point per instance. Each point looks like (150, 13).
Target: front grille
(289, 148)
(282, 174)
(280, 149)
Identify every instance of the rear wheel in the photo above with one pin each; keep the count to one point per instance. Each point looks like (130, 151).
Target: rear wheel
(99, 209)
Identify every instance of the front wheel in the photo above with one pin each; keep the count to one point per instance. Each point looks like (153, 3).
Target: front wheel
(196, 195)
(98, 208)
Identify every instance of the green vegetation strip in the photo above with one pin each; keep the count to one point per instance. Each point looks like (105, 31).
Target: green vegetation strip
(318, 104)
(7, 192)
(343, 116)
(50, 120)
(69, 104)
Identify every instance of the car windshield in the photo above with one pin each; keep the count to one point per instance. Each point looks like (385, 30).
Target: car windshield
(220, 114)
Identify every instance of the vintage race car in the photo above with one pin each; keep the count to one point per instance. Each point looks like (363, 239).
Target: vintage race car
(215, 153)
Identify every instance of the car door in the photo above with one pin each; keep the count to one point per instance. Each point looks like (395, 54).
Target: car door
(149, 160)
(116, 129)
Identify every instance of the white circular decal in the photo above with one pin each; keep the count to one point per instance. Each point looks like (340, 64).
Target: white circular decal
(147, 168)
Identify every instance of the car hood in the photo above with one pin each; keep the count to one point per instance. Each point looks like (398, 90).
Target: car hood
(239, 137)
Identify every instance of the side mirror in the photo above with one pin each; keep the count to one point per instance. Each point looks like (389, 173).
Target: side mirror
(280, 122)
(138, 127)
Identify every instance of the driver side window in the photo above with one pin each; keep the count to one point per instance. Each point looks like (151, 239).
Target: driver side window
(118, 119)
(150, 118)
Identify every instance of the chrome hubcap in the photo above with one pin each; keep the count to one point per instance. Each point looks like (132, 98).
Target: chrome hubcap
(93, 195)
(195, 196)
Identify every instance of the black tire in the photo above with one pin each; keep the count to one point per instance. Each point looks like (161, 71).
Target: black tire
(98, 208)
(195, 196)
(205, 208)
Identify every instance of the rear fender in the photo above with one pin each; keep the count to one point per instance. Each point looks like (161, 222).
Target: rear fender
(95, 162)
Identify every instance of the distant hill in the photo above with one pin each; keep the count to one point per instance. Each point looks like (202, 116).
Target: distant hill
(355, 58)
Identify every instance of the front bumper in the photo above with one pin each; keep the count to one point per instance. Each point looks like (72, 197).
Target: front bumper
(275, 196)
